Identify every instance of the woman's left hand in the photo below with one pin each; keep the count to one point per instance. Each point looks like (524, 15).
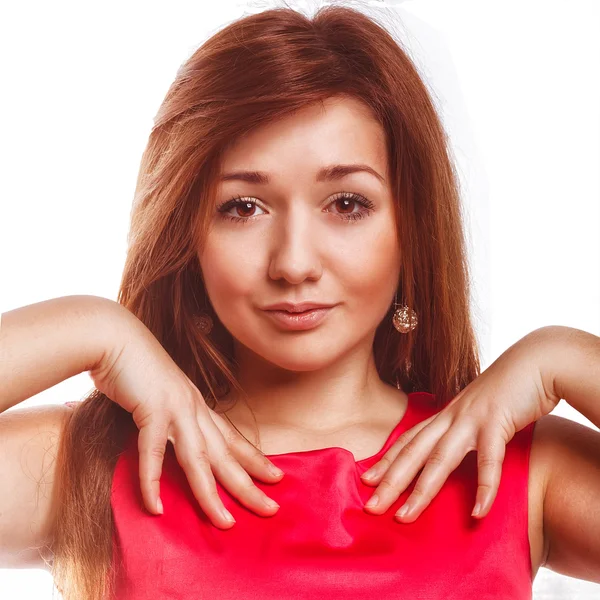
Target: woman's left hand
(509, 395)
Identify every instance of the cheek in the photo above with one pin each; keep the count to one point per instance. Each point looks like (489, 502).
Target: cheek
(374, 267)
(229, 274)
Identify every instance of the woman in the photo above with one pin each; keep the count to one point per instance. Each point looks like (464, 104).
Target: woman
(242, 205)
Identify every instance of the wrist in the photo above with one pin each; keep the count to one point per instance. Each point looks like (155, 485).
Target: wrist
(571, 363)
(110, 324)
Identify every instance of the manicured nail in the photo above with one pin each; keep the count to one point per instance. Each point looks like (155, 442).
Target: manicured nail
(159, 506)
(403, 511)
(373, 501)
(476, 510)
(227, 515)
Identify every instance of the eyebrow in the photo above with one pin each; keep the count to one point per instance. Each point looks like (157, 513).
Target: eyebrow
(330, 173)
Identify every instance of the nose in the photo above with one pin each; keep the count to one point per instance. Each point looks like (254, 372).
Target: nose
(294, 254)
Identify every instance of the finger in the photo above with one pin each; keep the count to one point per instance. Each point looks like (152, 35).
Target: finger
(192, 455)
(223, 450)
(232, 476)
(229, 471)
(491, 449)
(445, 457)
(373, 475)
(152, 440)
(249, 457)
(405, 466)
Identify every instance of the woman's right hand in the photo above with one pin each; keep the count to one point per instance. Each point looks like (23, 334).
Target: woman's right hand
(141, 377)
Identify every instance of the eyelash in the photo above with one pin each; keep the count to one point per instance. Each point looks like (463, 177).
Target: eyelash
(358, 198)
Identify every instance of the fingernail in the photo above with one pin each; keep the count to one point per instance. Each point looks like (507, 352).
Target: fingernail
(403, 511)
(276, 472)
(368, 475)
(227, 515)
(476, 510)
(159, 506)
(373, 501)
(271, 503)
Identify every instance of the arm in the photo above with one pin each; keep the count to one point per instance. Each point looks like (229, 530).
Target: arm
(570, 452)
(45, 343)
(41, 345)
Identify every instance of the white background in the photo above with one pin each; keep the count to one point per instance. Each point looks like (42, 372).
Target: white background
(517, 86)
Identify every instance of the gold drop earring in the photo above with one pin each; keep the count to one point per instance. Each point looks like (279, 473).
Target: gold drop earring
(405, 318)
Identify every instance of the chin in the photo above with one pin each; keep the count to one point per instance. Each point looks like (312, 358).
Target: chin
(298, 355)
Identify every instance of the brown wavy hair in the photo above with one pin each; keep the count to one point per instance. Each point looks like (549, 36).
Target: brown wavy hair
(256, 69)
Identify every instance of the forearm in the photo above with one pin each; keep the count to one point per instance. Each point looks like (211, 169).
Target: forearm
(45, 343)
(574, 369)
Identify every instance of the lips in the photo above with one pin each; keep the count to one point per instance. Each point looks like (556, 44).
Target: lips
(299, 321)
(297, 307)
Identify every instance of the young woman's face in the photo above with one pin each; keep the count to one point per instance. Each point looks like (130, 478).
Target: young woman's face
(304, 237)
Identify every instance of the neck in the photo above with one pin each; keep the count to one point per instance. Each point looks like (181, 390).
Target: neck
(322, 401)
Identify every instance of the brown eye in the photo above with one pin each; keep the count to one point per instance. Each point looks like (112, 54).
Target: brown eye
(245, 209)
(345, 204)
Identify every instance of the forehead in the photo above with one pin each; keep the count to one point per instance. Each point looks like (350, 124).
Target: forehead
(342, 130)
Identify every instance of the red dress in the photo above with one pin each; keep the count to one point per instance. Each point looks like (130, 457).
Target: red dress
(321, 544)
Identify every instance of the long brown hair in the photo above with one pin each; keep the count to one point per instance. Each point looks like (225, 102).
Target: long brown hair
(257, 69)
